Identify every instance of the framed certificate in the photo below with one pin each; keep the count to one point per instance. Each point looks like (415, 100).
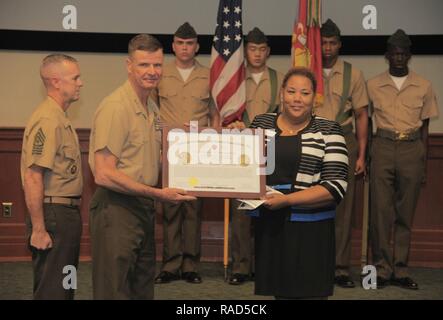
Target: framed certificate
(221, 163)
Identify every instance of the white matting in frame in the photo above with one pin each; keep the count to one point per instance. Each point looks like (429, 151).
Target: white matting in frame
(214, 163)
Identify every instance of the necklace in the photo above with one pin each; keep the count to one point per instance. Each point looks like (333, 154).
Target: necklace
(287, 130)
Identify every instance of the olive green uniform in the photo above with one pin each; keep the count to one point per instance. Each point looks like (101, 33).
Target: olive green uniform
(180, 102)
(122, 226)
(357, 98)
(397, 166)
(51, 142)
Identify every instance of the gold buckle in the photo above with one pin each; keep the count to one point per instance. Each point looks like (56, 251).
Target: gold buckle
(402, 135)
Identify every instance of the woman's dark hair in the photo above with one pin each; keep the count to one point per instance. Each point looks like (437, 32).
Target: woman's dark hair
(300, 71)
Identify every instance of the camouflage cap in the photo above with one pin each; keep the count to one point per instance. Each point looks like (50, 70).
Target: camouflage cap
(186, 31)
(256, 36)
(399, 39)
(329, 29)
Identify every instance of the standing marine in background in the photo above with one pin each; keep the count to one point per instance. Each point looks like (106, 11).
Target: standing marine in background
(345, 100)
(184, 96)
(262, 95)
(402, 104)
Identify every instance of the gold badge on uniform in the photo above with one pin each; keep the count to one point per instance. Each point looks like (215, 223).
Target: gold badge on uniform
(39, 142)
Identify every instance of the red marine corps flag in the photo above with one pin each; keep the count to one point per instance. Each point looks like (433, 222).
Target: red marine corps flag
(306, 41)
(227, 77)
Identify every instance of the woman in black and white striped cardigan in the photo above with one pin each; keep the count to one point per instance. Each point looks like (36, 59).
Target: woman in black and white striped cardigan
(295, 236)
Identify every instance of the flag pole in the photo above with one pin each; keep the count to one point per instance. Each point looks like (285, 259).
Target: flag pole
(226, 238)
(364, 240)
(366, 201)
(227, 79)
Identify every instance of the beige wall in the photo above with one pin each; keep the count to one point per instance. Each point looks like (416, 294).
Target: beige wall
(21, 89)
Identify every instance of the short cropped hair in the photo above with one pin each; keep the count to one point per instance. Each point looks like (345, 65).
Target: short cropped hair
(55, 58)
(144, 42)
(300, 71)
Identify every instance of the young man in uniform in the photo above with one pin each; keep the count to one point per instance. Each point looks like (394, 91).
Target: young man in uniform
(52, 179)
(402, 104)
(262, 95)
(184, 96)
(124, 156)
(345, 98)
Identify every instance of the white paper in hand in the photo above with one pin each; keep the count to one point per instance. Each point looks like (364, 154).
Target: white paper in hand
(247, 204)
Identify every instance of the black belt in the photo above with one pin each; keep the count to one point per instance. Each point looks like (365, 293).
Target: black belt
(398, 136)
(71, 201)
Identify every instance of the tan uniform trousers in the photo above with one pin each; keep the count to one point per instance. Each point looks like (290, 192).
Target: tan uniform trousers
(64, 225)
(182, 236)
(397, 170)
(343, 219)
(123, 246)
(241, 240)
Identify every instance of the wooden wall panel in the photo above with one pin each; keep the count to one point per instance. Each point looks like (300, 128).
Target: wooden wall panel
(427, 237)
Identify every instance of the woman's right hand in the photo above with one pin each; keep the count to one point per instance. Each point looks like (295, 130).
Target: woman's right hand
(276, 201)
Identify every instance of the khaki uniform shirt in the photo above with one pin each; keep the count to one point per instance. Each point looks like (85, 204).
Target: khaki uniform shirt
(258, 96)
(333, 87)
(129, 131)
(183, 101)
(51, 142)
(402, 110)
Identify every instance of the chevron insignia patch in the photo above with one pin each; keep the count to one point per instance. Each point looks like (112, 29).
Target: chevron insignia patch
(39, 142)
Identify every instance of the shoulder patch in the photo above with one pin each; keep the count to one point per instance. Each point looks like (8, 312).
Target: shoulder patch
(39, 142)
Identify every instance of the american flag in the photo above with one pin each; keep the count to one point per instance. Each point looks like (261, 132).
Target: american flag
(227, 77)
